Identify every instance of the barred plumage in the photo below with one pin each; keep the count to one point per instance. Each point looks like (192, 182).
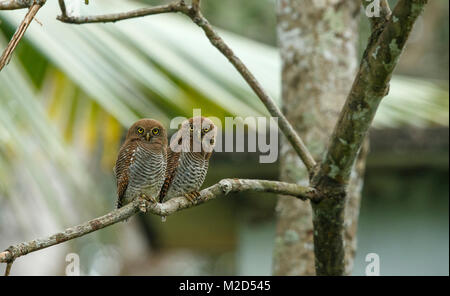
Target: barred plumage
(147, 173)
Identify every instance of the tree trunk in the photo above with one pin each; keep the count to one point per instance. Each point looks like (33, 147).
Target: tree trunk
(318, 44)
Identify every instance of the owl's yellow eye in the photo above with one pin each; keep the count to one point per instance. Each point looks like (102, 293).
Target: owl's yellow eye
(191, 128)
(140, 130)
(155, 131)
(205, 130)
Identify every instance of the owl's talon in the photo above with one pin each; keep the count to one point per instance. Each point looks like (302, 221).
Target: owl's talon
(189, 198)
(192, 196)
(143, 206)
(150, 199)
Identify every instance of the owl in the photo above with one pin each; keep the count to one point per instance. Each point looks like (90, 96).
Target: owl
(188, 159)
(141, 164)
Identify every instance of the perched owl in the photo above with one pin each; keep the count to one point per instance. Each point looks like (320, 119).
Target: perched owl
(188, 159)
(141, 165)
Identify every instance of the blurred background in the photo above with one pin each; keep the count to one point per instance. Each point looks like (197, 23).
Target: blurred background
(70, 92)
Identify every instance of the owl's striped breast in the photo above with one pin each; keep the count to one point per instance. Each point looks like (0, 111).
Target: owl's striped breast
(190, 175)
(147, 172)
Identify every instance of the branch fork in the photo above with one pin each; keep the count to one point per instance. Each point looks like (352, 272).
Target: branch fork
(34, 6)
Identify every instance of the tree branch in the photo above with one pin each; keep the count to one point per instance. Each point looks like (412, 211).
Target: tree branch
(114, 17)
(174, 205)
(369, 87)
(196, 16)
(8, 268)
(62, 6)
(6, 56)
(195, 5)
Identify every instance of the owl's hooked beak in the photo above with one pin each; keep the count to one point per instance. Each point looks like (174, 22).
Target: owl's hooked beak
(147, 136)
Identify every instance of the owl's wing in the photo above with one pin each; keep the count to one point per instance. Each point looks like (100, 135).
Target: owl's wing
(124, 160)
(172, 164)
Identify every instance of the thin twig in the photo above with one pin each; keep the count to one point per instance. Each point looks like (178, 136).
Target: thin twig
(62, 6)
(174, 205)
(195, 14)
(195, 5)
(8, 268)
(6, 56)
(114, 17)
